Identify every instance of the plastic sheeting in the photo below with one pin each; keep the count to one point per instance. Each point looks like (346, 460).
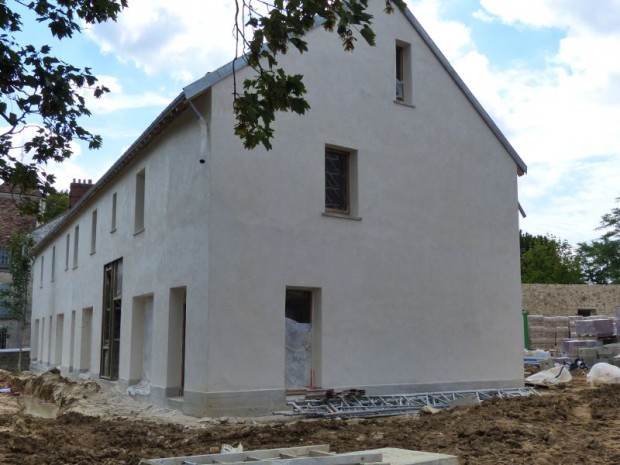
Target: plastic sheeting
(298, 354)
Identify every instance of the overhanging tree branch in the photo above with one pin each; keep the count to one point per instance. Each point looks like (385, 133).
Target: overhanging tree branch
(269, 31)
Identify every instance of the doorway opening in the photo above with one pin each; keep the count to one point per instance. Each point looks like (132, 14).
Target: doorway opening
(302, 339)
(111, 324)
(177, 321)
(85, 339)
(60, 326)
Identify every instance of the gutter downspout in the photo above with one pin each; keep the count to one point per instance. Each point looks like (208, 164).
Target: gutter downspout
(205, 158)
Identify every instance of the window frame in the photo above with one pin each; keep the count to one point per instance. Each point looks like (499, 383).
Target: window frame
(76, 245)
(67, 250)
(346, 156)
(53, 270)
(113, 219)
(140, 201)
(93, 232)
(403, 73)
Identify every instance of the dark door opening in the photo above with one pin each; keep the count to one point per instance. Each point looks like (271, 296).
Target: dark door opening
(182, 388)
(111, 324)
(298, 341)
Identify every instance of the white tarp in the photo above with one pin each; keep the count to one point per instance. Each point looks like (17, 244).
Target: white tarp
(298, 354)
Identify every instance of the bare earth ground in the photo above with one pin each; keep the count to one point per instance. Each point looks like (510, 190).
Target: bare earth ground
(575, 425)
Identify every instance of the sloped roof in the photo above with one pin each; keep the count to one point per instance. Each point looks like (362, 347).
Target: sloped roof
(201, 85)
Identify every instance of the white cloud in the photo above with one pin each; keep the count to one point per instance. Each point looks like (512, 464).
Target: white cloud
(116, 99)
(562, 119)
(183, 39)
(452, 38)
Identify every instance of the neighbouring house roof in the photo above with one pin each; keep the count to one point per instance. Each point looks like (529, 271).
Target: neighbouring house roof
(11, 218)
(201, 85)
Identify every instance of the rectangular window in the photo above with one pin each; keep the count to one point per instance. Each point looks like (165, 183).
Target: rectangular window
(93, 233)
(67, 252)
(4, 258)
(53, 271)
(403, 72)
(42, 265)
(336, 181)
(76, 244)
(139, 212)
(113, 222)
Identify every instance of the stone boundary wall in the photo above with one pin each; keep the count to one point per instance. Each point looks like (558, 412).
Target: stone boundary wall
(9, 357)
(566, 299)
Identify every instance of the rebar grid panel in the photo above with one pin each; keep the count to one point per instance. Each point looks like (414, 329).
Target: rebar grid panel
(348, 406)
(304, 455)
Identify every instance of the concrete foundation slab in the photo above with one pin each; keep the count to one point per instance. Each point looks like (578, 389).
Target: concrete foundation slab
(396, 456)
(315, 455)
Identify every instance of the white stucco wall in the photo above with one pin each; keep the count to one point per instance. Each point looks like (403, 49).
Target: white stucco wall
(421, 293)
(425, 288)
(169, 253)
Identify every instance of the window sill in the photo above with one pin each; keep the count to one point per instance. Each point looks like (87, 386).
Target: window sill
(404, 104)
(140, 231)
(343, 216)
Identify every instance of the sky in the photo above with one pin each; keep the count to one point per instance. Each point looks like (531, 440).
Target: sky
(547, 71)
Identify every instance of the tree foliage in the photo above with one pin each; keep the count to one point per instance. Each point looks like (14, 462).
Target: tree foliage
(601, 257)
(16, 299)
(548, 260)
(265, 30)
(56, 203)
(41, 96)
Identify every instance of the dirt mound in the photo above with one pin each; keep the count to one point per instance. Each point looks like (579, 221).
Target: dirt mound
(575, 425)
(50, 387)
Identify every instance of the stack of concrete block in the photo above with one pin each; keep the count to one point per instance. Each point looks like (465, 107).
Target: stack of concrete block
(603, 353)
(571, 325)
(548, 332)
(595, 327)
(562, 328)
(538, 333)
(571, 347)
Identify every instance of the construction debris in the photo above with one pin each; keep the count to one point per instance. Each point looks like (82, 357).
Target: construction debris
(313, 455)
(397, 404)
(604, 373)
(559, 374)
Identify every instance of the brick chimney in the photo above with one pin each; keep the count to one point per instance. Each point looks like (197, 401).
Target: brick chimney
(78, 189)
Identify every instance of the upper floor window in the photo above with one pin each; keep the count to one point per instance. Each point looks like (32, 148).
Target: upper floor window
(53, 271)
(403, 73)
(93, 232)
(68, 243)
(113, 222)
(139, 212)
(42, 267)
(336, 181)
(76, 245)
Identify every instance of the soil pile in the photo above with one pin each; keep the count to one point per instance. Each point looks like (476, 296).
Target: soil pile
(575, 425)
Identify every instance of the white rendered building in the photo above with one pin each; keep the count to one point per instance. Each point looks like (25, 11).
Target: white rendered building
(383, 222)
